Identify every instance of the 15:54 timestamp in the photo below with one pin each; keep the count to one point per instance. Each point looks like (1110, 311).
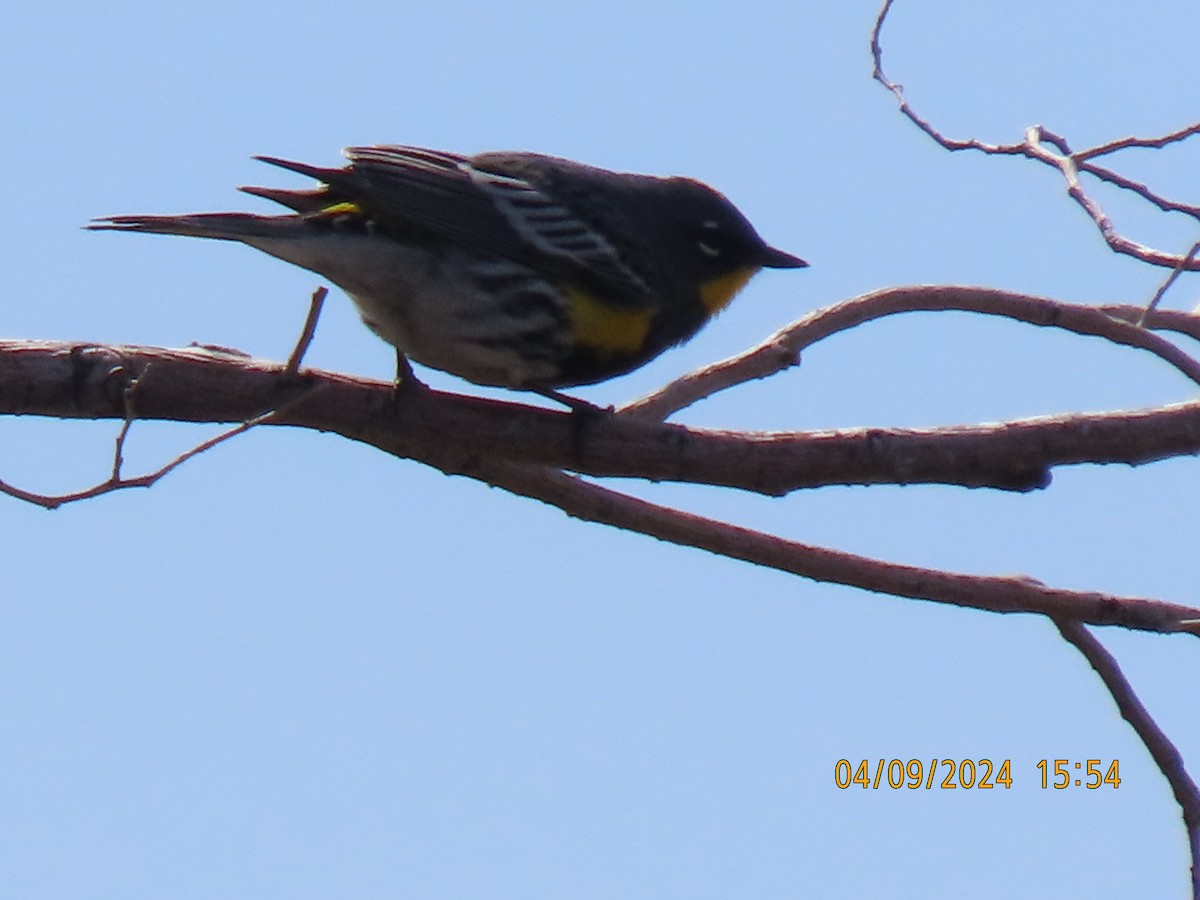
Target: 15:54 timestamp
(1061, 774)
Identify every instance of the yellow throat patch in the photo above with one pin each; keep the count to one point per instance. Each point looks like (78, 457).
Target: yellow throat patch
(716, 294)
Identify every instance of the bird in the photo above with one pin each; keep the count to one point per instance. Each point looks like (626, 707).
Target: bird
(508, 269)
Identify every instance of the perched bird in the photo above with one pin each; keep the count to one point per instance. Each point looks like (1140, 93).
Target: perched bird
(510, 269)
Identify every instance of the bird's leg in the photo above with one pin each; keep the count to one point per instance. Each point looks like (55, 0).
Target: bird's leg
(406, 380)
(581, 407)
(583, 415)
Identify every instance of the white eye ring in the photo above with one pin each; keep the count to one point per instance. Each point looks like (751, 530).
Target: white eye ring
(708, 249)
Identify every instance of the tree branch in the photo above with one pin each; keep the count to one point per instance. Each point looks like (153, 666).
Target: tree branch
(782, 349)
(1165, 754)
(79, 381)
(1051, 149)
(1013, 594)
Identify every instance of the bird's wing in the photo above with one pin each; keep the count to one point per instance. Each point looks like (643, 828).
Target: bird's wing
(486, 206)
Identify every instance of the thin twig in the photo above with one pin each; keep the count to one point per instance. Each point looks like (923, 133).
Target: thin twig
(1136, 187)
(1164, 752)
(116, 482)
(1166, 285)
(897, 91)
(127, 397)
(1150, 142)
(306, 335)
(1175, 320)
(1051, 149)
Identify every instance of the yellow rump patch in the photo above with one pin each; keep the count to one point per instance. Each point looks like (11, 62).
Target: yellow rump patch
(346, 208)
(604, 329)
(716, 294)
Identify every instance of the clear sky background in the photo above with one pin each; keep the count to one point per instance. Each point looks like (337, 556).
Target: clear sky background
(300, 668)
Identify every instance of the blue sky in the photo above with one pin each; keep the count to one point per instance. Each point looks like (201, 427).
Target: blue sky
(298, 668)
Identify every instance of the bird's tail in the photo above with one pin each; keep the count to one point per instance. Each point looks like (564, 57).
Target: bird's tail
(219, 226)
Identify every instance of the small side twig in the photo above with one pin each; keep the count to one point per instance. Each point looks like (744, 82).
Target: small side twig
(1167, 282)
(127, 395)
(1174, 320)
(117, 482)
(306, 335)
(1153, 143)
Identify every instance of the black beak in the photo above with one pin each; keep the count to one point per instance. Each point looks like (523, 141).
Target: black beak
(777, 259)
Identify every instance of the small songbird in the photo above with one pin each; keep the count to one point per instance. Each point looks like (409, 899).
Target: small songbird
(515, 270)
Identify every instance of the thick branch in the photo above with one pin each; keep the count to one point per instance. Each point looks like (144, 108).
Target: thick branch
(71, 381)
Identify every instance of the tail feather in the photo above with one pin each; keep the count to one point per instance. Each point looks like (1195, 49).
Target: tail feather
(218, 226)
(302, 202)
(324, 175)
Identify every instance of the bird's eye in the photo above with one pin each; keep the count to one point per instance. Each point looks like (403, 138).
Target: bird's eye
(710, 240)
